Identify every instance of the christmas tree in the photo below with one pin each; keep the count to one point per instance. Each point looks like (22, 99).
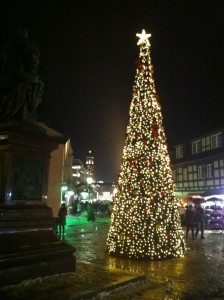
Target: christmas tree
(145, 222)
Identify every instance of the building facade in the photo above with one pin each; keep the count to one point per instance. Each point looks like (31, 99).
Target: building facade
(94, 191)
(198, 166)
(60, 169)
(79, 172)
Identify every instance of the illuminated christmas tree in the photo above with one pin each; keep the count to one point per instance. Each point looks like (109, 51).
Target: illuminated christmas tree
(145, 221)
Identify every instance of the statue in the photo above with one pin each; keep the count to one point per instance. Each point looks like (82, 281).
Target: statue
(21, 87)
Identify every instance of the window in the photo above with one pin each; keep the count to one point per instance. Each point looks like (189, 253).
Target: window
(222, 172)
(216, 140)
(179, 152)
(209, 171)
(174, 175)
(185, 174)
(200, 172)
(196, 146)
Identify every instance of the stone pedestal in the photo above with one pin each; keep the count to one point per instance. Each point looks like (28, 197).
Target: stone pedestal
(29, 247)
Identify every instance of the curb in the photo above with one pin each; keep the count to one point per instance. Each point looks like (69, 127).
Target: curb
(110, 289)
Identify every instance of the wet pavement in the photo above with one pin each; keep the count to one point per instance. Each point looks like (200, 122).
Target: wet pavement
(198, 275)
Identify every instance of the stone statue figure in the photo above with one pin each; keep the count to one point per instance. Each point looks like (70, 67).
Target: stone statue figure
(21, 87)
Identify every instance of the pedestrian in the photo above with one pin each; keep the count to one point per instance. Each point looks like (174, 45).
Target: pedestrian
(79, 209)
(62, 213)
(189, 220)
(109, 208)
(200, 220)
(90, 213)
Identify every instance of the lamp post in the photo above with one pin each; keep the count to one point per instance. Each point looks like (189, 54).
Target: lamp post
(89, 181)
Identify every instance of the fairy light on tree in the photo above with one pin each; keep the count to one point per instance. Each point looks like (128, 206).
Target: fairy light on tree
(145, 221)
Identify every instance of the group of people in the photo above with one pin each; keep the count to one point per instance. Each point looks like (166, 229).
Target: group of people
(63, 212)
(195, 220)
(77, 207)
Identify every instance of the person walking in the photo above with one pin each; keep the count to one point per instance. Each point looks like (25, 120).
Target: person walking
(189, 220)
(200, 220)
(62, 213)
(90, 213)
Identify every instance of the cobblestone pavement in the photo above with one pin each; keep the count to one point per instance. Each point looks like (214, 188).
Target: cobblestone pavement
(199, 275)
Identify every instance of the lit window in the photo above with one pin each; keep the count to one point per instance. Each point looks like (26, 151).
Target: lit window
(216, 140)
(185, 174)
(196, 147)
(200, 172)
(179, 152)
(174, 175)
(209, 171)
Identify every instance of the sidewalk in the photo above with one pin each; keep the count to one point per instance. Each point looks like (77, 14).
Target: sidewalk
(198, 275)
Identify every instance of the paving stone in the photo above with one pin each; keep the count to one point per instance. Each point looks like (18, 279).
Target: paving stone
(199, 275)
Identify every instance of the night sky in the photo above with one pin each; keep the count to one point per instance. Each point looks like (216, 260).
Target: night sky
(88, 53)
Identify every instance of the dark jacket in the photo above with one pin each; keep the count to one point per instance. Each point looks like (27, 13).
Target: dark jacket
(199, 214)
(62, 215)
(189, 216)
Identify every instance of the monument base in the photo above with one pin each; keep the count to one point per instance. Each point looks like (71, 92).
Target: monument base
(29, 246)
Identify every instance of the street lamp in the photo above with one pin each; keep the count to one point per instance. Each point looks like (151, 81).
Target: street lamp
(89, 181)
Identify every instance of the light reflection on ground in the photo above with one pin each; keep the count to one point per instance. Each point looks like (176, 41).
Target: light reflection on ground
(200, 271)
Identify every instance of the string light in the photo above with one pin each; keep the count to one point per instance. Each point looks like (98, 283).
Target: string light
(145, 222)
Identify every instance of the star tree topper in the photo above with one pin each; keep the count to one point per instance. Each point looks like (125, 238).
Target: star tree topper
(143, 37)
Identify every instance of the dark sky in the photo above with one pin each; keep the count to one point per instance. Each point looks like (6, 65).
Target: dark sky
(88, 53)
